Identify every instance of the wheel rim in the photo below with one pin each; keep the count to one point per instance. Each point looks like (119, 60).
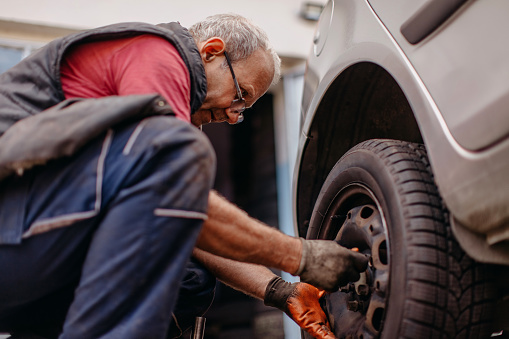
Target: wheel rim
(354, 219)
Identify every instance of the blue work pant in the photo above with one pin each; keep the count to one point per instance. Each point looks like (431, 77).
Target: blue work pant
(107, 233)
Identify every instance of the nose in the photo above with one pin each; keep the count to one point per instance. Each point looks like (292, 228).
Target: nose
(234, 118)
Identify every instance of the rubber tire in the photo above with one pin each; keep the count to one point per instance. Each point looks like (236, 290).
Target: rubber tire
(434, 290)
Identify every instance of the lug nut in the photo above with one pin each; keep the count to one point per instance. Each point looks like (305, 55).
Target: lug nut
(363, 289)
(348, 288)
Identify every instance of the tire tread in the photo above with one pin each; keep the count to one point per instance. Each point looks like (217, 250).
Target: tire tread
(448, 294)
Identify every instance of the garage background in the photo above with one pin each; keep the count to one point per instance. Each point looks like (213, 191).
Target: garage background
(255, 158)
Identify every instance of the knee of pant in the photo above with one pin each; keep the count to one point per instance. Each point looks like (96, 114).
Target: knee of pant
(194, 163)
(184, 145)
(175, 158)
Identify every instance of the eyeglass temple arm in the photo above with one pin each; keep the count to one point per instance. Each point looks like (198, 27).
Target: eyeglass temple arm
(239, 93)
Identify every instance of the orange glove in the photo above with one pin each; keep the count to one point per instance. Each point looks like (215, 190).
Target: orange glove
(300, 301)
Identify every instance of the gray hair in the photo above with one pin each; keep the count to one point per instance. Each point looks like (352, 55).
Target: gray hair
(241, 36)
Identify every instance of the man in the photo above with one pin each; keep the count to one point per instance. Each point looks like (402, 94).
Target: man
(106, 188)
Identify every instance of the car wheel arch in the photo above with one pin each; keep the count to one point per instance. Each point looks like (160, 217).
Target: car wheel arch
(363, 102)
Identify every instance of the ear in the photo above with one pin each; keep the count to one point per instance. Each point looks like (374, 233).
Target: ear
(211, 48)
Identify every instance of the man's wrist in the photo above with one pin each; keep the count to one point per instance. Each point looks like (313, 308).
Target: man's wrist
(277, 293)
(303, 258)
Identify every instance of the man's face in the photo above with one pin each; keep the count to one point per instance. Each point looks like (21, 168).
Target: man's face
(253, 74)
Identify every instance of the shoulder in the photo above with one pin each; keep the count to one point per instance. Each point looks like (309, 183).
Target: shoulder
(151, 46)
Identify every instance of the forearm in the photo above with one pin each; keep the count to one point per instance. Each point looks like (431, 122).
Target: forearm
(300, 301)
(250, 279)
(229, 232)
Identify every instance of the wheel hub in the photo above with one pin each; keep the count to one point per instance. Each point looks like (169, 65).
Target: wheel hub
(358, 308)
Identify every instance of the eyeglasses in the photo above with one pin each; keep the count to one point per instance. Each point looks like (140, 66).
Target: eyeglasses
(238, 105)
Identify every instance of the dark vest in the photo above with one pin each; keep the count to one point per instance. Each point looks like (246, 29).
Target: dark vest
(34, 84)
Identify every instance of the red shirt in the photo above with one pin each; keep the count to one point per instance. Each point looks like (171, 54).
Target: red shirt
(140, 65)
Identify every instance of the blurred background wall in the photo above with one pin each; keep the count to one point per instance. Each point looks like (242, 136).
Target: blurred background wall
(255, 159)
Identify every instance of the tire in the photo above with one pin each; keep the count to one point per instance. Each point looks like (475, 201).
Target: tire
(381, 198)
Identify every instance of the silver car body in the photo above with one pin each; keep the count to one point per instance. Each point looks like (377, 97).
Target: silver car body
(454, 83)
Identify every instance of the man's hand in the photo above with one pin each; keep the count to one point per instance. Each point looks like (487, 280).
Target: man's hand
(300, 302)
(328, 265)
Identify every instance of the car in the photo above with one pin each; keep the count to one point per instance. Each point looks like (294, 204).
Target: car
(404, 155)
